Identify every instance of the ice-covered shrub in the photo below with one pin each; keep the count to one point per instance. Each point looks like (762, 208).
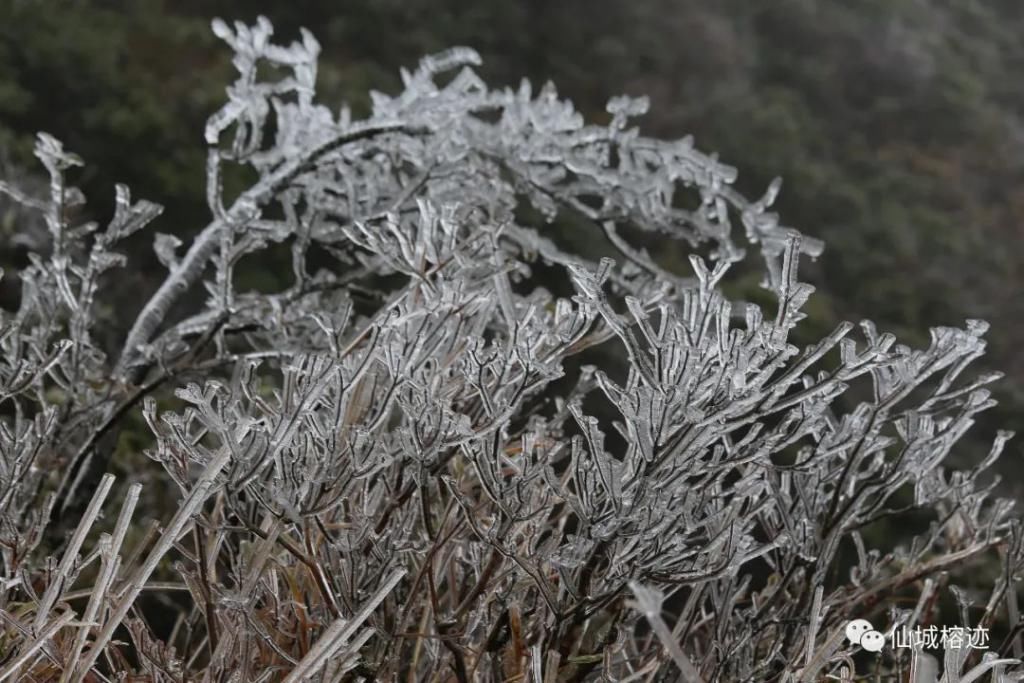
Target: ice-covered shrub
(386, 470)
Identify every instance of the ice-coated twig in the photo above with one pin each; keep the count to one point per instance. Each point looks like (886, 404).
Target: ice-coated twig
(110, 548)
(30, 648)
(648, 602)
(138, 579)
(338, 633)
(59, 582)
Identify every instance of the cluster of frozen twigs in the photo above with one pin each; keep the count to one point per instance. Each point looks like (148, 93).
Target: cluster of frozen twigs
(386, 471)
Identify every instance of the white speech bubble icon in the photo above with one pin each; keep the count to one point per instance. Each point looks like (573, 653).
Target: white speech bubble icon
(856, 629)
(872, 641)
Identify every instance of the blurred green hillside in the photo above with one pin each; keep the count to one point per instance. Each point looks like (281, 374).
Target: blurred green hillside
(896, 124)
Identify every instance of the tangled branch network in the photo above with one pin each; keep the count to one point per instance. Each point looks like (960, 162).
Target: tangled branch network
(405, 463)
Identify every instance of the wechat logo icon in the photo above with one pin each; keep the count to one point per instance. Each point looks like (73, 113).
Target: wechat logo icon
(861, 632)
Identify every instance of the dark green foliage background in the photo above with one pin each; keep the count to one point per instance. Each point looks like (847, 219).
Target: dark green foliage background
(896, 124)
